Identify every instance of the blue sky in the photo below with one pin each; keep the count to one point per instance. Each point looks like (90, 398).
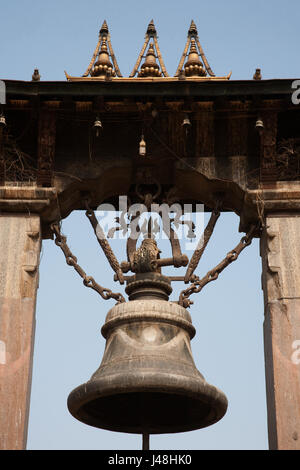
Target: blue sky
(228, 315)
(61, 35)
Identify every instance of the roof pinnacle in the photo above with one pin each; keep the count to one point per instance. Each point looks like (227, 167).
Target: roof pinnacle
(104, 28)
(150, 68)
(103, 66)
(153, 52)
(103, 63)
(194, 67)
(151, 31)
(193, 49)
(193, 29)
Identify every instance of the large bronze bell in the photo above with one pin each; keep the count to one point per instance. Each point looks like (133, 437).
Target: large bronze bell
(147, 381)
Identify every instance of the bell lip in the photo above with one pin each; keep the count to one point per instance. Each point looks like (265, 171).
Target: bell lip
(110, 385)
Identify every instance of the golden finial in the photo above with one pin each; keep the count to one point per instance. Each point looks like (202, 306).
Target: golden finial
(104, 28)
(194, 67)
(193, 29)
(103, 63)
(152, 54)
(198, 68)
(150, 68)
(103, 66)
(151, 31)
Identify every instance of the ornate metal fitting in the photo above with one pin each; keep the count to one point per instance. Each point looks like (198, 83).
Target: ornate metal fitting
(145, 262)
(145, 259)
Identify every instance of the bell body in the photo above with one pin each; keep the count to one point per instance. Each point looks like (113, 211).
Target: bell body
(147, 380)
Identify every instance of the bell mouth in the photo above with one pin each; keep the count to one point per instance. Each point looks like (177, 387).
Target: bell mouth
(168, 408)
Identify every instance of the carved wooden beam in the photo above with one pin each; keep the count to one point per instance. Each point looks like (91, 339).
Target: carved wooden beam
(46, 148)
(268, 165)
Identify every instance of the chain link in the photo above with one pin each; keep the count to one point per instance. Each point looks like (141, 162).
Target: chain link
(213, 274)
(71, 260)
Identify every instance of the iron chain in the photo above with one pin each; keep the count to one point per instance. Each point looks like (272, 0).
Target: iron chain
(71, 260)
(213, 274)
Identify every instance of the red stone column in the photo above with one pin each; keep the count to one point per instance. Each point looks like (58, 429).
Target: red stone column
(20, 243)
(280, 251)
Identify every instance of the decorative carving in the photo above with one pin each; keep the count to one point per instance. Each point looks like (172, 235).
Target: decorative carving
(145, 258)
(204, 130)
(36, 75)
(30, 260)
(150, 68)
(193, 52)
(194, 261)
(238, 129)
(279, 250)
(274, 263)
(104, 243)
(46, 148)
(288, 159)
(268, 169)
(193, 66)
(103, 63)
(152, 54)
(257, 75)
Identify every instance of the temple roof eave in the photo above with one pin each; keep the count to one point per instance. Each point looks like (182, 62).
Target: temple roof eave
(147, 79)
(171, 89)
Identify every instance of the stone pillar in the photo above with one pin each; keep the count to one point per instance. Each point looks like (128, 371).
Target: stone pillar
(280, 251)
(20, 243)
